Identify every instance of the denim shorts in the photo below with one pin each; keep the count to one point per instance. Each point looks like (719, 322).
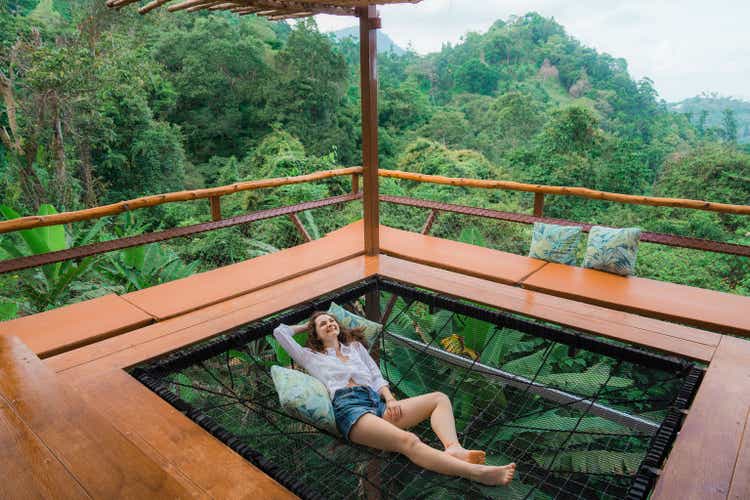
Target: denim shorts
(350, 403)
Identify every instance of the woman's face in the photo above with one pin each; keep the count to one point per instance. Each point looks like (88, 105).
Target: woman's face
(326, 328)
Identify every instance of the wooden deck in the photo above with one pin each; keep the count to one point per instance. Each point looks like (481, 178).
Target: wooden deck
(148, 449)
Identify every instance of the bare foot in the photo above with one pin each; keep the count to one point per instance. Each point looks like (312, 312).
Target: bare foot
(495, 476)
(471, 456)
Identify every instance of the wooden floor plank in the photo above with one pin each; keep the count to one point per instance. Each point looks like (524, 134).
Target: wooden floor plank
(175, 441)
(688, 342)
(101, 459)
(27, 468)
(718, 311)
(59, 330)
(133, 347)
(702, 461)
(740, 487)
(211, 287)
(472, 260)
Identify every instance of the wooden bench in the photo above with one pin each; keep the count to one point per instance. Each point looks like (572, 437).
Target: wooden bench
(718, 311)
(485, 263)
(76, 325)
(201, 290)
(666, 337)
(722, 312)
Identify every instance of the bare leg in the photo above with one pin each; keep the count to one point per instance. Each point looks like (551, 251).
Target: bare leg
(437, 406)
(377, 433)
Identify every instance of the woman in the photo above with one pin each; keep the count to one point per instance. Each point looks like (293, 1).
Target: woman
(367, 413)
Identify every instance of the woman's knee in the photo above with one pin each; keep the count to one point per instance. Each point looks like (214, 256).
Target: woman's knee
(441, 398)
(407, 442)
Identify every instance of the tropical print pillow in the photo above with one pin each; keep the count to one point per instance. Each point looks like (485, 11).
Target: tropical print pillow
(612, 250)
(350, 320)
(555, 243)
(304, 397)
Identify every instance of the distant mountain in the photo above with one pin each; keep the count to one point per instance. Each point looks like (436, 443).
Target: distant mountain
(714, 105)
(385, 44)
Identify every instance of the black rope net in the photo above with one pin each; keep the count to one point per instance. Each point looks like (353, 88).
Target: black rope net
(582, 418)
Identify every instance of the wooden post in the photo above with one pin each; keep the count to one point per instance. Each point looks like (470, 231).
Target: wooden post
(215, 207)
(355, 183)
(302, 231)
(429, 222)
(369, 23)
(538, 204)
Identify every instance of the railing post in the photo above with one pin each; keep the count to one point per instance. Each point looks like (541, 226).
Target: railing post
(215, 202)
(302, 231)
(355, 183)
(538, 204)
(429, 222)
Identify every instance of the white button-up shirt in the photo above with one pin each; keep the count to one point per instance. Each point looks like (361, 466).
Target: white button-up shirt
(328, 368)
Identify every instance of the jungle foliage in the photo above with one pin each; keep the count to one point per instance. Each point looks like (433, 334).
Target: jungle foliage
(100, 106)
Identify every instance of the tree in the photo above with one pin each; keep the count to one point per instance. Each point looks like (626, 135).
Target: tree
(476, 77)
(729, 126)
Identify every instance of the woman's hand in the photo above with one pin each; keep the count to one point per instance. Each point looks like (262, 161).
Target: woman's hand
(393, 409)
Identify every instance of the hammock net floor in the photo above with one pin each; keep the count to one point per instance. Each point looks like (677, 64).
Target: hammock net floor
(582, 417)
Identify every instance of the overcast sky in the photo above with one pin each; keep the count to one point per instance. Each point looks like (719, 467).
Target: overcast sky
(685, 46)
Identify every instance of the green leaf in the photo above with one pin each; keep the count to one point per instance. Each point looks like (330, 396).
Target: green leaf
(54, 236)
(187, 394)
(8, 310)
(591, 461)
(134, 257)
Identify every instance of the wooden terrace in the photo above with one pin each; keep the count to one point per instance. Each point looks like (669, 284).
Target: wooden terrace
(75, 423)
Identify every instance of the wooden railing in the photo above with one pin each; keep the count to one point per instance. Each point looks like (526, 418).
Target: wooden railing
(217, 222)
(541, 190)
(213, 194)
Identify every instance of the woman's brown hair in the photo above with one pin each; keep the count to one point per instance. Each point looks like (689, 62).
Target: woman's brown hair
(346, 335)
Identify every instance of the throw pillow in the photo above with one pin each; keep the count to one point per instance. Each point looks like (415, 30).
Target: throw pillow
(350, 320)
(612, 250)
(555, 243)
(304, 397)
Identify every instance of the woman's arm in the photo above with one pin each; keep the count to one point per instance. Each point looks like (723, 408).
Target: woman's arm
(283, 334)
(379, 383)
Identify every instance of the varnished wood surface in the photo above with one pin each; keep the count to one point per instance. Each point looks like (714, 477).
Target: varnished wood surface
(485, 263)
(101, 459)
(72, 326)
(701, 465)
(201, 290)
(722, 312)
(740, 487)
(28, 469)
(130, 348)
(175, 442)
(666, 337)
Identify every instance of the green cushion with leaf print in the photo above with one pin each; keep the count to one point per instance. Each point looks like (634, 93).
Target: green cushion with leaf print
(555, 243)
(351, 320)
(304, 397)
(612, 250)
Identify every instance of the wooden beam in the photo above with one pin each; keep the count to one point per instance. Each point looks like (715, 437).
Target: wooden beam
(368, 23)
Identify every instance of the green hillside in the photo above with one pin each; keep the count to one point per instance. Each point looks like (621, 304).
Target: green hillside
(709, 114)
(105, 106)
